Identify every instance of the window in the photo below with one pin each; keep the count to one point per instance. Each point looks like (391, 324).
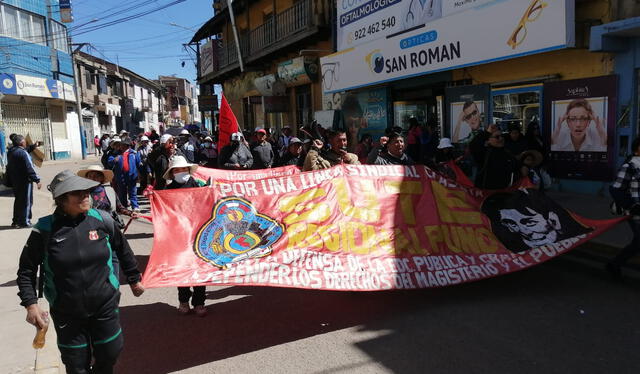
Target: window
(88, 78)
(102, 84)
(59, 36)
(19, 24)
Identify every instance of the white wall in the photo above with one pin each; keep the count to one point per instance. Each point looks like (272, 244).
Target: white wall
(73, 142)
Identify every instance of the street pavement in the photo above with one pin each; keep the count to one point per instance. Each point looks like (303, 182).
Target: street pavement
(564, 316)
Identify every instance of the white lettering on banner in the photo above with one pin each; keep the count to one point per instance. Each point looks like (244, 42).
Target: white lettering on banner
(461, 39)
(319, 270)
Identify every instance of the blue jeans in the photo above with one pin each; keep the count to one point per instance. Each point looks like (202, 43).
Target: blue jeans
(130, 189)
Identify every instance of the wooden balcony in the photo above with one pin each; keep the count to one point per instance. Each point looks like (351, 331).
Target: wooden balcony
(289, 26)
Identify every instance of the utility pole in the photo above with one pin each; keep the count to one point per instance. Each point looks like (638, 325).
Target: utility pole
(79, 97)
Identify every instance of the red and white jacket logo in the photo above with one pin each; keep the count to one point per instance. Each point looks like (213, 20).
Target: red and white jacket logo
(93, 235)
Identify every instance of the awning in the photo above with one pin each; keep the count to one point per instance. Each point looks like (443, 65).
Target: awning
(110, 109)
(211, 27)
(87, 113)
(612, 37)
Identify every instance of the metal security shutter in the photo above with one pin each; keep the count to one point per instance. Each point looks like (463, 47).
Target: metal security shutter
(87, 125)
(28, 119)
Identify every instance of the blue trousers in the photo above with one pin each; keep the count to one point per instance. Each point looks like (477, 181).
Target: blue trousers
(22, 204)
(130, 189)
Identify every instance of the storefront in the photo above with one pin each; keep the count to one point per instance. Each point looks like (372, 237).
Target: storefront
(45, 110)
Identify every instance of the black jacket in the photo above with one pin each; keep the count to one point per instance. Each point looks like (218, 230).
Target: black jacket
(497, 167)
(290, 159)
(385, 158)
(76, 256)
(20, 168)
(233, 154)
(262, 155)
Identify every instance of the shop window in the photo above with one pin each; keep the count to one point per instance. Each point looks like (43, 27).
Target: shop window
(516, 106)
(404, 110)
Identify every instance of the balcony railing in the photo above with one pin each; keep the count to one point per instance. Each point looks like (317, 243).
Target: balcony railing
(273, 32)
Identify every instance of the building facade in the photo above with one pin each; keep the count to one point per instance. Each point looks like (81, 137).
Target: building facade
(514, 63)
(274, 81)
(179, 100)
(36, 70)
(115, 98)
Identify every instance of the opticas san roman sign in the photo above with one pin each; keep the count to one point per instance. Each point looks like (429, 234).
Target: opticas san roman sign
(467, 36)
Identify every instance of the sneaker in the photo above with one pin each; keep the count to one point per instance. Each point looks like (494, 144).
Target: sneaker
(201, 311)
(183, 308)
(137, 210)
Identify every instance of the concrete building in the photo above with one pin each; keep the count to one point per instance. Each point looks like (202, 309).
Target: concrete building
(179, 100)
(274, 81)
(37, 77)
(115, 98)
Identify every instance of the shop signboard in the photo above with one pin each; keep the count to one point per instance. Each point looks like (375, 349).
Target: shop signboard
(208, 102)
(66, 15)
(24, 85)
(467, 108)
(470, 36)
(206, 58)
(298, 71)
(366, 112)
(580, 127)
(270, 85)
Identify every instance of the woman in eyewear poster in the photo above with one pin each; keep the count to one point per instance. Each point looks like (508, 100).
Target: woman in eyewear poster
(580, 125)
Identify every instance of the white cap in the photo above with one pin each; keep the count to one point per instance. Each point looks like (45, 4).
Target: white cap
(165, 138)
(144, 138)
(445, 143)
(184, 132)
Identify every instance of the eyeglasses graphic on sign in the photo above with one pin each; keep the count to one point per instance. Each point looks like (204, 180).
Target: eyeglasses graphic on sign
(331, 70)
(530, 15)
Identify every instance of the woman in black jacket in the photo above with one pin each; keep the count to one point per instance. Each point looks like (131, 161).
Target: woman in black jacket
(73, 248)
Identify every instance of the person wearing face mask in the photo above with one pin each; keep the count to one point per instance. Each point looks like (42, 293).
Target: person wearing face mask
(236, 155)
(208, 153)
(497, 167)
(73, 249)
(394, 153)
(179, 173)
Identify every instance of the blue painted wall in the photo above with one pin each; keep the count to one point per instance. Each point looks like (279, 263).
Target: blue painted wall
(20, 57)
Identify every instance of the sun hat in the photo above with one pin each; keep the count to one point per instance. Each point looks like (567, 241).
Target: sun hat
(122, 132)
(114, 140)
(295, 140)
(184, 132)
(144, 138)
(178, 162)
(165, 138)
(66, 181)
(208, 138)
(108, 174)
(445, 143)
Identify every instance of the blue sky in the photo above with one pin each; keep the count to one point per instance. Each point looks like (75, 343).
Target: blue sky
(149, 45)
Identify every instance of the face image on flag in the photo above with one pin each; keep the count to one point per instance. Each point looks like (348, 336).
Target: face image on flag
(525, 219)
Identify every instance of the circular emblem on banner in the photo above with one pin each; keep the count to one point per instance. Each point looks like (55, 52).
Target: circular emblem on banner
(377, 63)
(21, 85)
(7, 83)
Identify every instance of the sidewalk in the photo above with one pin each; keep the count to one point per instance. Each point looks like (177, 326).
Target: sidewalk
(15, 343)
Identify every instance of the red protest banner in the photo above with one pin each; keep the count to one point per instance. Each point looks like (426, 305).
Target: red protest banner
(227, 122)
(355, 227)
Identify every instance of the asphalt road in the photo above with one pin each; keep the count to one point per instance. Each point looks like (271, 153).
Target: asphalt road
(564, 316)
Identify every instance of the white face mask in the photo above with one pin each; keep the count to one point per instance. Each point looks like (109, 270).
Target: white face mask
(182, 178)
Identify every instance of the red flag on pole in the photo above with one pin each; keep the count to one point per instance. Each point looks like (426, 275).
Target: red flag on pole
(228, 124)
